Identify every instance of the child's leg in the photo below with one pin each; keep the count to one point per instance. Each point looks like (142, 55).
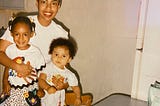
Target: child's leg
(6, 86)
(40, 93)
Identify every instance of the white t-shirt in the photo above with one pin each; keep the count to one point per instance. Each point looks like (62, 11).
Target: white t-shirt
(51, 70)
(31, 55)
(43, 36)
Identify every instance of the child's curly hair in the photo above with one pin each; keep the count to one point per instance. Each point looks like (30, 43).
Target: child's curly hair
(63, 42)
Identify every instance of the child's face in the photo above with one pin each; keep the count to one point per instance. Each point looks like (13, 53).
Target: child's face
(47, 10)
(21, 35)
(60, 56)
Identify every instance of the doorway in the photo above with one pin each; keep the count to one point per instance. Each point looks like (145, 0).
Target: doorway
(147, 60)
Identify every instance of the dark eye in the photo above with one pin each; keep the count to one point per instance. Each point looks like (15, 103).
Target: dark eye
(15, 34)
(43, 1)
(25, 34)
(64, 56)
(54, 3)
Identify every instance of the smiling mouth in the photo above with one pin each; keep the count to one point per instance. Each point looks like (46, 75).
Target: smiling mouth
(48, 14)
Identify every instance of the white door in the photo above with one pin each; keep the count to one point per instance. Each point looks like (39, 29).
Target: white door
(147, 61)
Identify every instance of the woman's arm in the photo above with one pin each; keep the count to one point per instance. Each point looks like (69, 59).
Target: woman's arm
(4, 59)
(23, 69)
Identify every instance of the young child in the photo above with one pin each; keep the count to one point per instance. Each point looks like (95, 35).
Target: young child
(23, 89)
(62, 52)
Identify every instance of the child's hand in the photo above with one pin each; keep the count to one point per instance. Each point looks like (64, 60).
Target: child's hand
(6, 87)
(77, 102)
(54, 80)
(59, 83)
(40, 93)
(51, 90)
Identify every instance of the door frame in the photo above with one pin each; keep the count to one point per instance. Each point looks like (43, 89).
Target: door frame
(139, 46)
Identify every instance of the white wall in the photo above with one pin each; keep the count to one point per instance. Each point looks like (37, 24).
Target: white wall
(105, 31)
(106, 34)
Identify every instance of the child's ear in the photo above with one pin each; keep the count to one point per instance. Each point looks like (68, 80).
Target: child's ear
(69, 60)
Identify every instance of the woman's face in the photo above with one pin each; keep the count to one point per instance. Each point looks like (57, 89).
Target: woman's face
(47, 10)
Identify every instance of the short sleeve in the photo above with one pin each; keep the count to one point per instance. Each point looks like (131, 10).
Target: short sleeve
(40, 62)
(72, 79)
(7, 36)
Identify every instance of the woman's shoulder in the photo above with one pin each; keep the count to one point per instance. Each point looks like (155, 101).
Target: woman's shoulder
(60, 31)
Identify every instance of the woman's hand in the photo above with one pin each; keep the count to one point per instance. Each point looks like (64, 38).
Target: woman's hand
(24, 70)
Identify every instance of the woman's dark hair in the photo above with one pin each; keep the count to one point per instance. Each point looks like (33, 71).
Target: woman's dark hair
(21, 19)
(60, 2)
(63, 42)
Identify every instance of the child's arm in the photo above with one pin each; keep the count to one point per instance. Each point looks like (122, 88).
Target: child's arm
(44, 85)
(77, 91)
(6, 86)
(40, 92)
